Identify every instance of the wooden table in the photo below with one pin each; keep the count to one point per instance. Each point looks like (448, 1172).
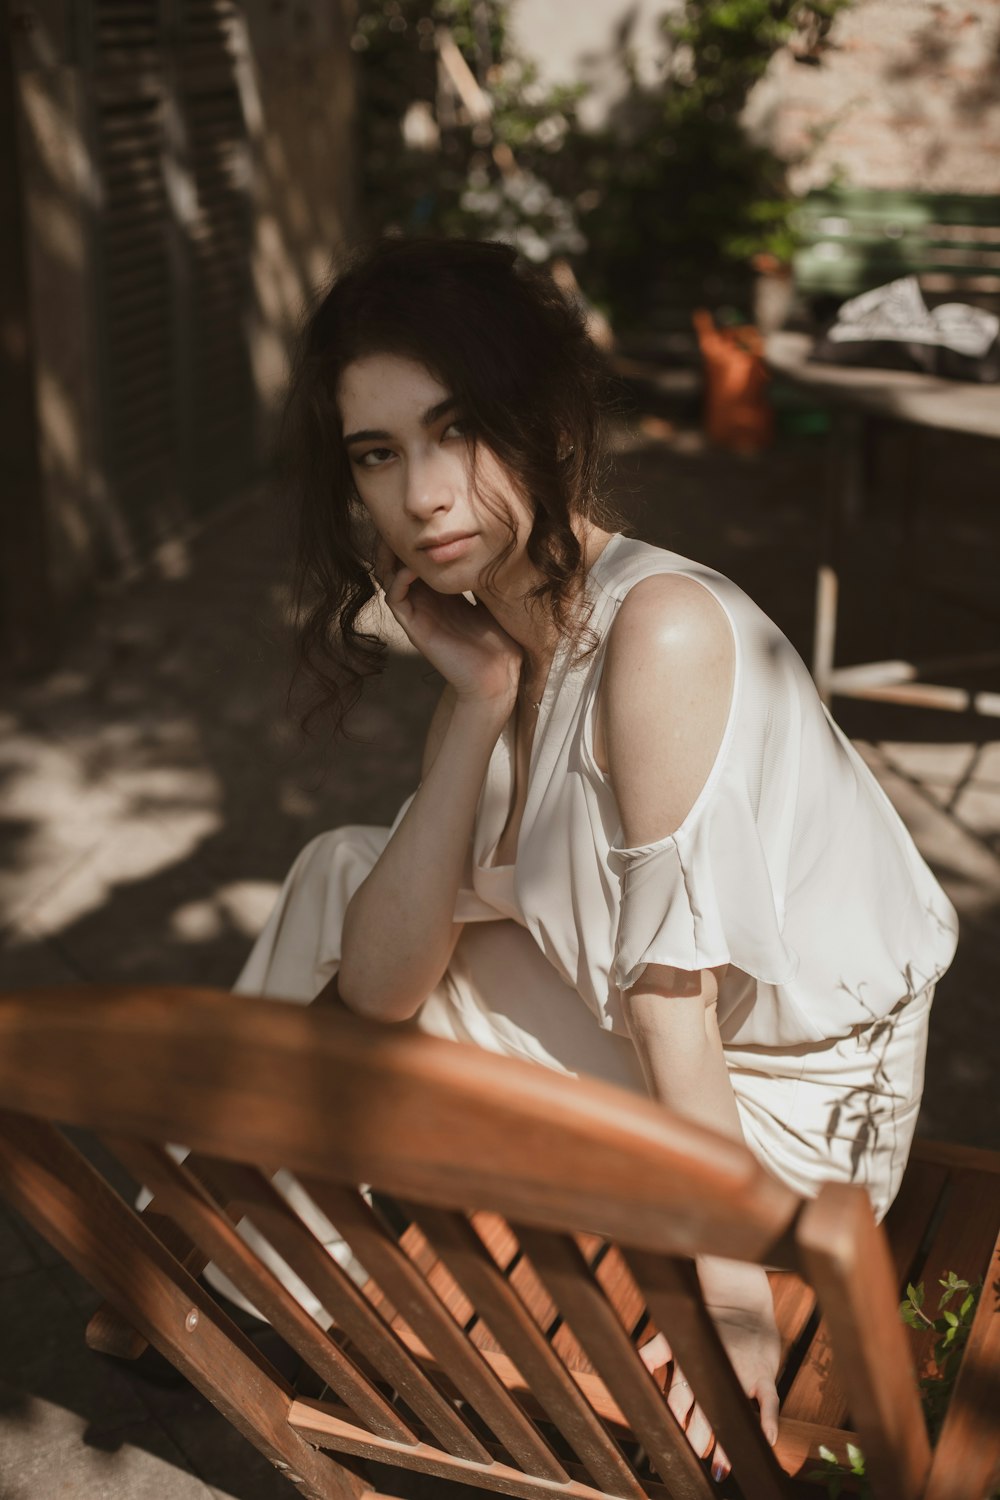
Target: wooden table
(858, 395)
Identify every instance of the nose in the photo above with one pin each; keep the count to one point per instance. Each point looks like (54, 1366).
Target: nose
(431, 483)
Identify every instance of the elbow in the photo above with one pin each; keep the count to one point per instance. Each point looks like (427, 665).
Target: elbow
(364, 1000)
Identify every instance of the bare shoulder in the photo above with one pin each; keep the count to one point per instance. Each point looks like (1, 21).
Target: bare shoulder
(664, 700)
(667, 615)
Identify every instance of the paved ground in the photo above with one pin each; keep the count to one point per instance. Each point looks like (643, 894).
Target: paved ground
(152, 795)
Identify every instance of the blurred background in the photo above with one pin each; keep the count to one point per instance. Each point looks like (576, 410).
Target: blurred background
(713, 178)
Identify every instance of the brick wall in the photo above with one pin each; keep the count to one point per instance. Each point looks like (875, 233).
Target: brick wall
(907, 96)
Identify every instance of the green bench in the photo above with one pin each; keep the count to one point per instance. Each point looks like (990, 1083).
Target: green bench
(853, 239)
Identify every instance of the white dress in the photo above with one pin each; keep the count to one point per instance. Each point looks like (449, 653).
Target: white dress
(792, 867)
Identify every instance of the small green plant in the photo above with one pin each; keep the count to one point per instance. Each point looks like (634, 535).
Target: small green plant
(952, 1328)
(834, 1472)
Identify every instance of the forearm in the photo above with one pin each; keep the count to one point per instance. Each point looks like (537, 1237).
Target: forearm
(672, 1020)
(681, 1054)
(399, 928)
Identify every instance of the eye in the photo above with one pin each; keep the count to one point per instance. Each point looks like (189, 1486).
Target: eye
(459, 428)
(373, 458)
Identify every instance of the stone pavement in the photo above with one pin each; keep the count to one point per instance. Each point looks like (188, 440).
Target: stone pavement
(153, 793)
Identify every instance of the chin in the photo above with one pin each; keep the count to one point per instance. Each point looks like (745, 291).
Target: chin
(457, 582)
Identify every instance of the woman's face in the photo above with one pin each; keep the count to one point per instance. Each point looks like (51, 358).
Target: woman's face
(411, 456)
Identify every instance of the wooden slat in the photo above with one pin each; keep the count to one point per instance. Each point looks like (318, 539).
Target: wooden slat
(483, 1282)
(434, 1325)
(817, 1393)
(963, 1242)
(501, 1242)
(910, 1216)
(594, 1392)
(107, 1331)
(672, 1289)
(797, 1449)
(445, 1287)
(846, 1257)
(953, 1155)
(560, 1264)
(613, 1272)
(966, 1462)
(798, 1445)
(324, 1425)
(353, 1312)
(794, 1305)
(187, 1201)
(69, 1203)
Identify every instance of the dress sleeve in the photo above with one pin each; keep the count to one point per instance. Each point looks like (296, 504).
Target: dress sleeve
(709, 894)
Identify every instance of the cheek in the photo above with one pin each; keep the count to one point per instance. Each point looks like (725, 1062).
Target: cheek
(503, 491)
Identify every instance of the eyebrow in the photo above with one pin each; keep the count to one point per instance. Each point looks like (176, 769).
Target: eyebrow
(428, 418)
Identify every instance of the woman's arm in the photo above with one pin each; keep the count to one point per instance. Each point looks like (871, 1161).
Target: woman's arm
(664, 703)
(399, 930)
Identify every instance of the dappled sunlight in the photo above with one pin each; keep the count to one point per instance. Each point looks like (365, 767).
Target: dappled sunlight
(62, 153)
(242, 904)
(940, 790)
(59, 421)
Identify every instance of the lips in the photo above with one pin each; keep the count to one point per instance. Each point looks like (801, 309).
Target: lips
(442, 541)
(448, 548)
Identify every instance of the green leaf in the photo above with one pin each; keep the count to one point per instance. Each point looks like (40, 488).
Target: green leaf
(915, 1293)
(857, 1459)
(951, 1319)
(828, 1454)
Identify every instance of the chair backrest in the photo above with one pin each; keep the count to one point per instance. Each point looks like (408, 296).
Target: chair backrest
(535, 1202)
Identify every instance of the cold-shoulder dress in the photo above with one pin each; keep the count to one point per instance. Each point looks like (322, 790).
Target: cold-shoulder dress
(792, 867)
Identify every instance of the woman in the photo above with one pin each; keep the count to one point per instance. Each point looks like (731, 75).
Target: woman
(655, 857)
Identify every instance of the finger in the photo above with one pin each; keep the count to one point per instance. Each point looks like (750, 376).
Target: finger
(767, 1400)
(399, 586)
(379, 565)
(720, 1464)
(699, 1434)
(680, 1398)
(385, 563)
(656, 1354)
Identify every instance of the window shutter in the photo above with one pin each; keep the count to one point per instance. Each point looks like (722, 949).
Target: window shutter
(172, 236)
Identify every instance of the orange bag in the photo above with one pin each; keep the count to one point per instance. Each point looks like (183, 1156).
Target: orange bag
(738, 414)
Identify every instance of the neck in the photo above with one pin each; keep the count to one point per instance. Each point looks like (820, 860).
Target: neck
(526, 621)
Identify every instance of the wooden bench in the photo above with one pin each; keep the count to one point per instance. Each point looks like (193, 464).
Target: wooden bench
(551, 1226)
(854, 239)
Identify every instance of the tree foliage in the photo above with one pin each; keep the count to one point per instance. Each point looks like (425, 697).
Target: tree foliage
(670, 194)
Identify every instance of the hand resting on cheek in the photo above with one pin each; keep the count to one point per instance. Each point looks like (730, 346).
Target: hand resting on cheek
(463, 641)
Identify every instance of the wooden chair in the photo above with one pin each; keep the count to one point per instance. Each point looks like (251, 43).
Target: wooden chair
(552, 1223)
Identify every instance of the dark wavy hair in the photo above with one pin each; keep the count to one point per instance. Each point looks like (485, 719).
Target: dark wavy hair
(533, 387)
